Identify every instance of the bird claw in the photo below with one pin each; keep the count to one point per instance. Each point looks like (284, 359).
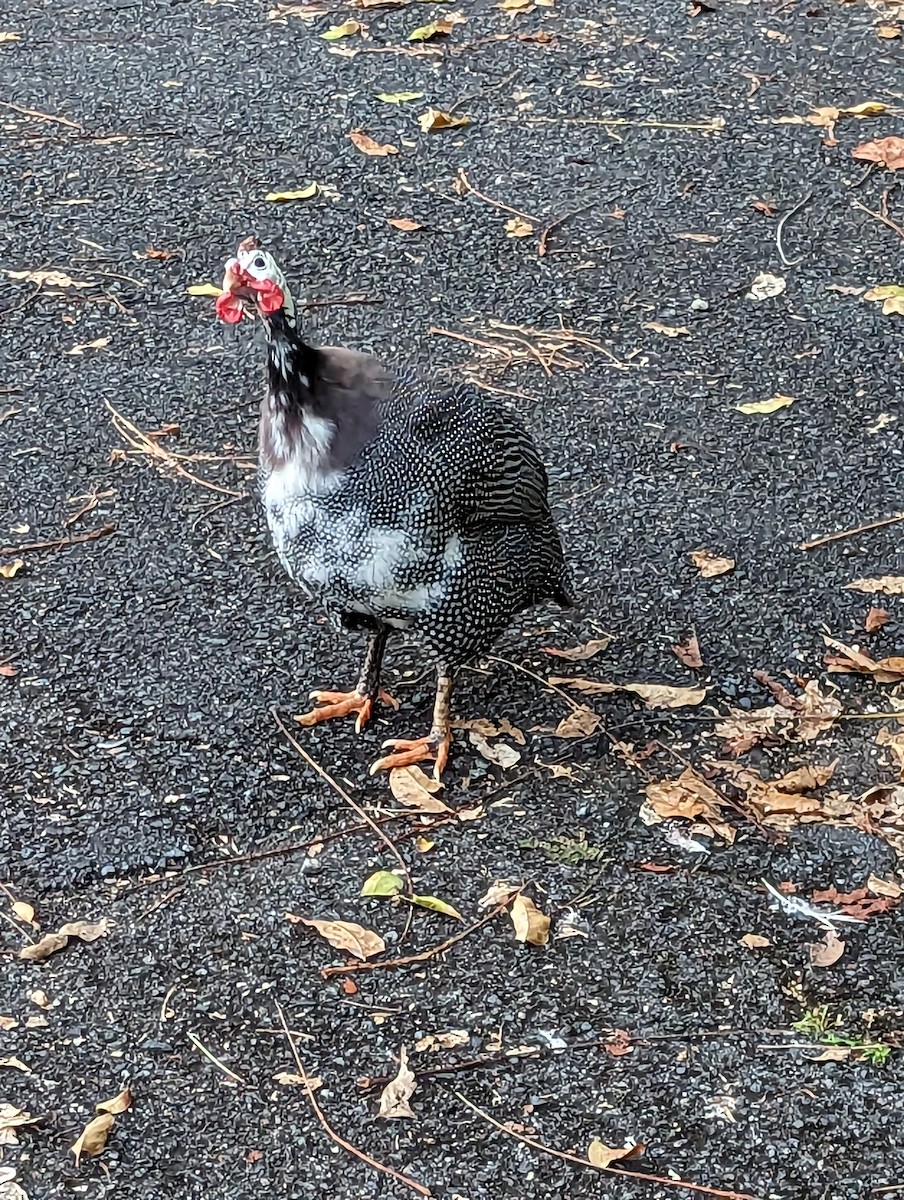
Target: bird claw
(432, 748)
(340, 704)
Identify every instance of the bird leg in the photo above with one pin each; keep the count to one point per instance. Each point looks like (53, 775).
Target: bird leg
(361, 700)
(432, 748)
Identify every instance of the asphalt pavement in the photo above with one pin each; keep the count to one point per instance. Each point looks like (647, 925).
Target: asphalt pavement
(144, 778)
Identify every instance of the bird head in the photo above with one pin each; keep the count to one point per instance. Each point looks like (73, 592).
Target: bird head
(253, 282)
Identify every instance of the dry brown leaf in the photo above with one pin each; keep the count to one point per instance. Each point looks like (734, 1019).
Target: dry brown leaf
(885, 670)
(688, 652)
(395, 1097)
(444, 1041)
(661, 695)
(47, 278)
(404, 223)
(887, 151)
(754, 941)
(86, 931)
(288, 1079)
(413, 788)
(367, 145)
(590, 687)
(782, 802)
(581, 722)
(827, 951)
(833, 1054)
(498, 893)
(23, 911)
(93, 1138)
(689, 796)
(531, 925)
(7, 1023)
(858, 903)
(488, 728)
(500, 753)
(894, 740)
(708, 239)
(434, 119)
(875, 619)
(888, 31)
(119, 1104)
(346, 935)
(764, 206)
(159, 255)
(619, 1043)
(670, 331)
(39, 998)
(799, 718)
(579, 653)
(884, 887)
(603, 1156)
(97, 344)
(891, 585)
(710, 565)
(49, 944)
(11, 568)
(515, 227)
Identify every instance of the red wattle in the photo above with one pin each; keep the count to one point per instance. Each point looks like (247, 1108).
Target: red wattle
(271, 295)
(229, 308)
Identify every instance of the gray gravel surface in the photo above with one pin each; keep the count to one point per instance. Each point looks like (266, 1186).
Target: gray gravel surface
(136, 738)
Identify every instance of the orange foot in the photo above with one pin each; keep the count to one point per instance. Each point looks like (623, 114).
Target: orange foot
(432, 748)
(340, 704)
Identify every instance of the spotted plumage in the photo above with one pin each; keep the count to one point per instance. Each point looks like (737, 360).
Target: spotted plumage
(398, 505)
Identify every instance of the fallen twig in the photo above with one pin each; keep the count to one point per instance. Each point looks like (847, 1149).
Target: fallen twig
(58, 543)
(22, 303)
(541, 248)
(41, 116)
(662, 1180)
(846, 533)
(327, 1127)
(335, 301)
(144, 444)
(783, 220)
(715, 125)
(425, 955)
(199, 1045)
(466, 184)
(886, 220)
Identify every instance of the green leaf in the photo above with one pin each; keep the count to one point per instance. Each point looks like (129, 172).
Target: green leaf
(399, 97)
(382, 883)
(435, 905)
(424, 33)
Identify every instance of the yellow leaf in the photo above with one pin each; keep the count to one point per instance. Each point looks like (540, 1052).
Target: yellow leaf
(869, 108)
(93, 1138)
(367, 145)
(9, 570)
(773, 404)
(531, 925)
(403, 223)
(399, 97)
(423, 844)
(424, 33)
(306, 193)
(203, 289)
(516, 228)
(346, 29)
(435, 905)
(119, 1104)
(891, 295)
(435, 119)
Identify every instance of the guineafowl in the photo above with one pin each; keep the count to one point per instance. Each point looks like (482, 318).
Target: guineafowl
(398, 504)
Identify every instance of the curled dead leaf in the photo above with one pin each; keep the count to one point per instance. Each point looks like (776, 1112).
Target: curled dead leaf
(688, 653)
(670, 331)
(515, 227)
(826, 951)
(531, 925)
(348, 936)
(766, 286)
(10, 568)
(754, 941)
(413, 788)
(580, 722)
(875, 619)
(93, 1138)
(444, 1041)
(891, 585)
(885, 670)
(499, 753)
(434, 119)
(580, 653)
(87, 931)
(888, 152)
(119, 1104)
(884, 887)
(23, 911)
(498, 893)
(396, 1096)
(49, 944)
(367, 145)
(689, 796)
(773, 404)
(603, 1156)
(403, 223)
(710, 565)
(47, 279)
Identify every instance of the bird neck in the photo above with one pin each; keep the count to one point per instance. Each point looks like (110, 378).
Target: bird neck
(293, 427)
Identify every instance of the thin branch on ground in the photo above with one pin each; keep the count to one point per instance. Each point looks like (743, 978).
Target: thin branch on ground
(846, 533)
(22, 303)
(199, 1045)
(59, 543)
(466, 187)
(544, 236)
(425, 955)
(715, 125)
(41, 116)
(783, 220)
(662, 1180)
(327, 1127)
(336, 301)
(886, 220)
(168, 460)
